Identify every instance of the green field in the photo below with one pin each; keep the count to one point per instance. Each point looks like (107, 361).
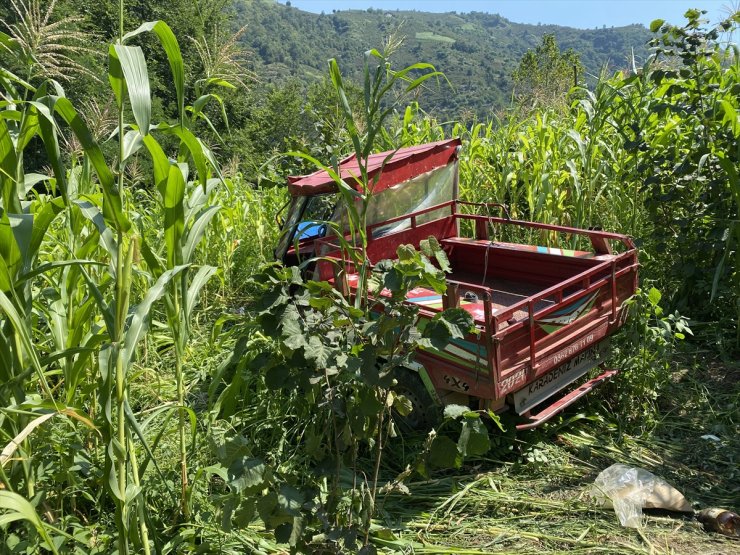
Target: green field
(428, 35)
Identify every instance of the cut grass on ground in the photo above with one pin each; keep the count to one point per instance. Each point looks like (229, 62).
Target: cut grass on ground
(544, 506)
(535, 500)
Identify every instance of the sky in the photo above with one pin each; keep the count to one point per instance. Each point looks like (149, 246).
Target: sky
(584, 14)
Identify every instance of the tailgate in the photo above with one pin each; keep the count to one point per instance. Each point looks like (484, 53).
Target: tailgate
(547, 385)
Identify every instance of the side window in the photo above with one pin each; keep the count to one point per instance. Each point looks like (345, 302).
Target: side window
(319, 209)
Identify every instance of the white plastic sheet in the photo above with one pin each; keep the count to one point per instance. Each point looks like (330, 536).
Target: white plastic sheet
(629, 490)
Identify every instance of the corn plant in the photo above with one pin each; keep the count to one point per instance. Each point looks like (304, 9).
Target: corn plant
(94, 309)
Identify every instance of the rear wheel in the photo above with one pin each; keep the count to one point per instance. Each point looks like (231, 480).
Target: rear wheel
(425, 413)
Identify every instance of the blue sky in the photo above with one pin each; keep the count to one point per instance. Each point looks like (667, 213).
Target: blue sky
(574, 13)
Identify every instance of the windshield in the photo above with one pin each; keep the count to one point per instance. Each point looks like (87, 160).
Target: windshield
(429, 189)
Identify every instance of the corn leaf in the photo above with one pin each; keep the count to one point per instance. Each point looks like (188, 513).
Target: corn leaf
(9, 250)
(160, 162)
(42, 219)
(115, 76)
(8, 168)
(112, 206)
(22, 227)
(15, 508)
(132, 143)
(25, 339)
(48, 132)
(200, 279)
(174, 216)
(107, 239)
(190, 143)
(196, 231)
(198, 198)
(133, 66)
(140, 319)
(174, 56)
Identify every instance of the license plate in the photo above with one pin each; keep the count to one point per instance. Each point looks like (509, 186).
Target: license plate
(549, 384)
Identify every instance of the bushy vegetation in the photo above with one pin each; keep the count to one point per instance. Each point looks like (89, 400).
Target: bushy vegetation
(158, 395)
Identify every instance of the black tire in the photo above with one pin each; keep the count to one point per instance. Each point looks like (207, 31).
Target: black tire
(425, 413)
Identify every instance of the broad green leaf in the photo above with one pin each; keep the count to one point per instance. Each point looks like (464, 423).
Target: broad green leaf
(455, 411)
(473, 438)
(141, 316)
(654, 296)
(172, 49)
(135, 73)
(199, 280)
(8, 167)
(277, 376)
(318, 352)
(453, 323)
(402, 405)
(656, 24)
(196, 231)
(444, 454)
(248, 475)
(14, 507)
(290, 328)
(112, 206)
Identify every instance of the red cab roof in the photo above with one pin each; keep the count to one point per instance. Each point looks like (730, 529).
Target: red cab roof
(403, 164)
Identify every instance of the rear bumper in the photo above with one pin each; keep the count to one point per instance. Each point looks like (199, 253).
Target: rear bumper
(551, 410)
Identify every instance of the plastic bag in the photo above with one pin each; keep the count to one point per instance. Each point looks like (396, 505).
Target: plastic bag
(629, 490)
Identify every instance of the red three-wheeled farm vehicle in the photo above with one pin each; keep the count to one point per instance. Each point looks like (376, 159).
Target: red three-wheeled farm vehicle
(543, 314)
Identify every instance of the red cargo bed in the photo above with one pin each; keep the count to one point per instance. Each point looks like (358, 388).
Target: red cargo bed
(536, 308)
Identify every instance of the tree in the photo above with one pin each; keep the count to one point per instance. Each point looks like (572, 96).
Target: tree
(546, 74)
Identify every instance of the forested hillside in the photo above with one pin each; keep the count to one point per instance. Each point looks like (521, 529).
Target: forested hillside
(478, 52)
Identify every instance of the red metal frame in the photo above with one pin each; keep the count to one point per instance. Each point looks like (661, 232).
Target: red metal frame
(384, 169)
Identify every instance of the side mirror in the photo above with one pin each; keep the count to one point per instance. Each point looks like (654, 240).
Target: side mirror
(279, 220)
